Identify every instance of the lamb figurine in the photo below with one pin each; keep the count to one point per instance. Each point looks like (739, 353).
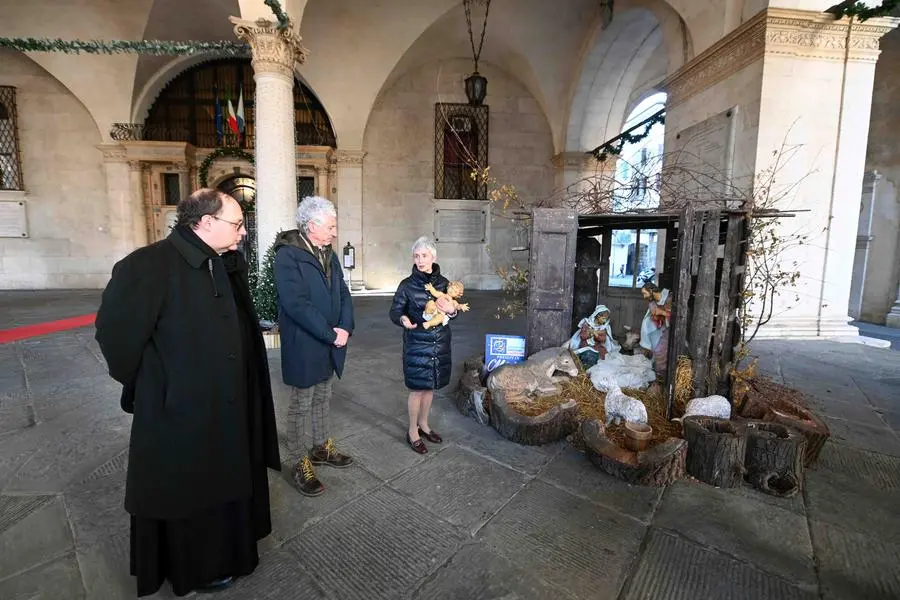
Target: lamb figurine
(710, 406)
(620, 407)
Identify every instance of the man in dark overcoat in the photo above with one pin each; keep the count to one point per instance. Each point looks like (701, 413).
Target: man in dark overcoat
(178, 330)
(315, 319)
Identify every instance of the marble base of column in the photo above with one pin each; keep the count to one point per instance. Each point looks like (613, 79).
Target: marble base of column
(892, 319)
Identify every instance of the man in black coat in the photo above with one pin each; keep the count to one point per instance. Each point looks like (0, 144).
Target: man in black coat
(178, 330)
(315, 320)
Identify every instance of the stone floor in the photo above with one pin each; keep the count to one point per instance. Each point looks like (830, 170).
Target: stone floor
(478, 517)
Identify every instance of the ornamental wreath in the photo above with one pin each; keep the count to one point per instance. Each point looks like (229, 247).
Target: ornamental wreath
(218, 153)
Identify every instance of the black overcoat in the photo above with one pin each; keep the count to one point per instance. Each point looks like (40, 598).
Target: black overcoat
(169, 330)
(426, 352)
(310, 306)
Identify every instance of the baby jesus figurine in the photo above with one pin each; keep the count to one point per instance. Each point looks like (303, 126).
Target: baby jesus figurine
(433, 315)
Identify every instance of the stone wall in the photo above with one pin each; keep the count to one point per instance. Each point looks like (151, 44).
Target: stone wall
(883, 156)
(66, 192)
(398, 172)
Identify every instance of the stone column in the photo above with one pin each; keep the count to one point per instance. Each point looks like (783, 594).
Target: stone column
(892, 319)
(349, 204)
(275, 52)
(120, 224)
(768, 69)
(139, 215)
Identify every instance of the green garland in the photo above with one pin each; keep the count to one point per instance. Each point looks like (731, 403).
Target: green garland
(614, 146)
(861, 11)
(218, 153)
(157, 47)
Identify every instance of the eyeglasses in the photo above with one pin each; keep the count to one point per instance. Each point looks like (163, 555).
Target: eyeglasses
(237, 226)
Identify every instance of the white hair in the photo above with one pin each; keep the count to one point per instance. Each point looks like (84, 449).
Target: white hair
(427, 244)
(314, 208)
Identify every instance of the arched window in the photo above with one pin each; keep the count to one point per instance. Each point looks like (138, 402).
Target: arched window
(640, 164)
(460, 147)
(196, 107)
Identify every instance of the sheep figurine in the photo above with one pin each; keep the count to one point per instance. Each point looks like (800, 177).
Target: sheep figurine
(620, 407)
(710, 406)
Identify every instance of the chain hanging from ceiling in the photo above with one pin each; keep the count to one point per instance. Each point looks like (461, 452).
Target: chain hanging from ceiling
(476, 84)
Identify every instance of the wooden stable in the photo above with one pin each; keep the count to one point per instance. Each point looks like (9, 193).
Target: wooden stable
(704, 255)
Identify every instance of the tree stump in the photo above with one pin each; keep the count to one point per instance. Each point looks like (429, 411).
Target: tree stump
(553, 425)
(787, 412)
(660, 465)
(774, 458)
(716, 450)
(803, 420)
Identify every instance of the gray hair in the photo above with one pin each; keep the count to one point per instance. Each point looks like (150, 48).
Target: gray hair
(314, 208)
(427, 244)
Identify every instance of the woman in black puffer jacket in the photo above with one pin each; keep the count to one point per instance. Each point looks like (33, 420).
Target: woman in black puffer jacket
(426, 352)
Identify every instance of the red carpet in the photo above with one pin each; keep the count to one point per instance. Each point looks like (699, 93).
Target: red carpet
(30, 331)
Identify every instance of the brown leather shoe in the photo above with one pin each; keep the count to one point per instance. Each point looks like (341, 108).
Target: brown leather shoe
(418, 446)
(305, 478)
(327, 454)
(432, 436)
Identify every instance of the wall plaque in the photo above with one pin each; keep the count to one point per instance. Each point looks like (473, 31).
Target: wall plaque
(462, 225)
(704, 154)
(13, 223)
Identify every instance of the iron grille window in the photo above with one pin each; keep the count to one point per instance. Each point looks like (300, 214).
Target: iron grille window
(10, 160)
(460, 147)
(306, 186)
(172, 188)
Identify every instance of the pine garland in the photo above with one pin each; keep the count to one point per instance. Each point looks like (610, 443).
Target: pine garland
(862, 12)
(615, 145)
(154, 47)
(203, 172)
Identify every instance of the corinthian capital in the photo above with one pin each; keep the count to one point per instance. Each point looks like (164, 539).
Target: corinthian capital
(274, 50)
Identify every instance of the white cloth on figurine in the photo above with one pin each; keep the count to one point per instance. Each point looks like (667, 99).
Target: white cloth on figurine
(628, 371)
(650, 332)
(575, 340)
(428, 316)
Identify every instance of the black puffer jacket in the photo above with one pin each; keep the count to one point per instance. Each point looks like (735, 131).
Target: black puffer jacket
(426, 352)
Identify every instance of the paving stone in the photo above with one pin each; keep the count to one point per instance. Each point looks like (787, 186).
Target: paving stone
(866, 437)
(349, 418)
(877, 470)
(572, 471)
(59, 354)
(775, 540)
(106, 569)
(117, 464)
(849, 502)
(794, 504)
(475, 573)
(292, 512)
(68, 449)
(856, 565)
(279, 576)
(461, 487)
(858, 411)
(566, 541)
(34, 531)
(14, 412)
(891, 418)
(528, 459)
(59, 579)
(383, 451)
(94, 394)
(676, 569)
(884, 391)
(376, 547)
(97, 509)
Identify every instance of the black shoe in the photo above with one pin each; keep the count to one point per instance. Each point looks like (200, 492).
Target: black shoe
(418, 446)
(327, 454)
(216, 585)
(306, 480)
(432, 436)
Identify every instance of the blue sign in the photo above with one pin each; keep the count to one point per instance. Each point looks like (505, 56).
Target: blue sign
(502, 350)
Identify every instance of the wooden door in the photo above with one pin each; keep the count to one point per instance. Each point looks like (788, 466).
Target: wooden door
(551, 277)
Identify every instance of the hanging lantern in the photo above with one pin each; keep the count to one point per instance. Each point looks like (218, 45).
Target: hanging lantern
(476, 88)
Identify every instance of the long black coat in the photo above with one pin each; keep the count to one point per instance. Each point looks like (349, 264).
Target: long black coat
(426, 352)
(169, 328)
(309, 308)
